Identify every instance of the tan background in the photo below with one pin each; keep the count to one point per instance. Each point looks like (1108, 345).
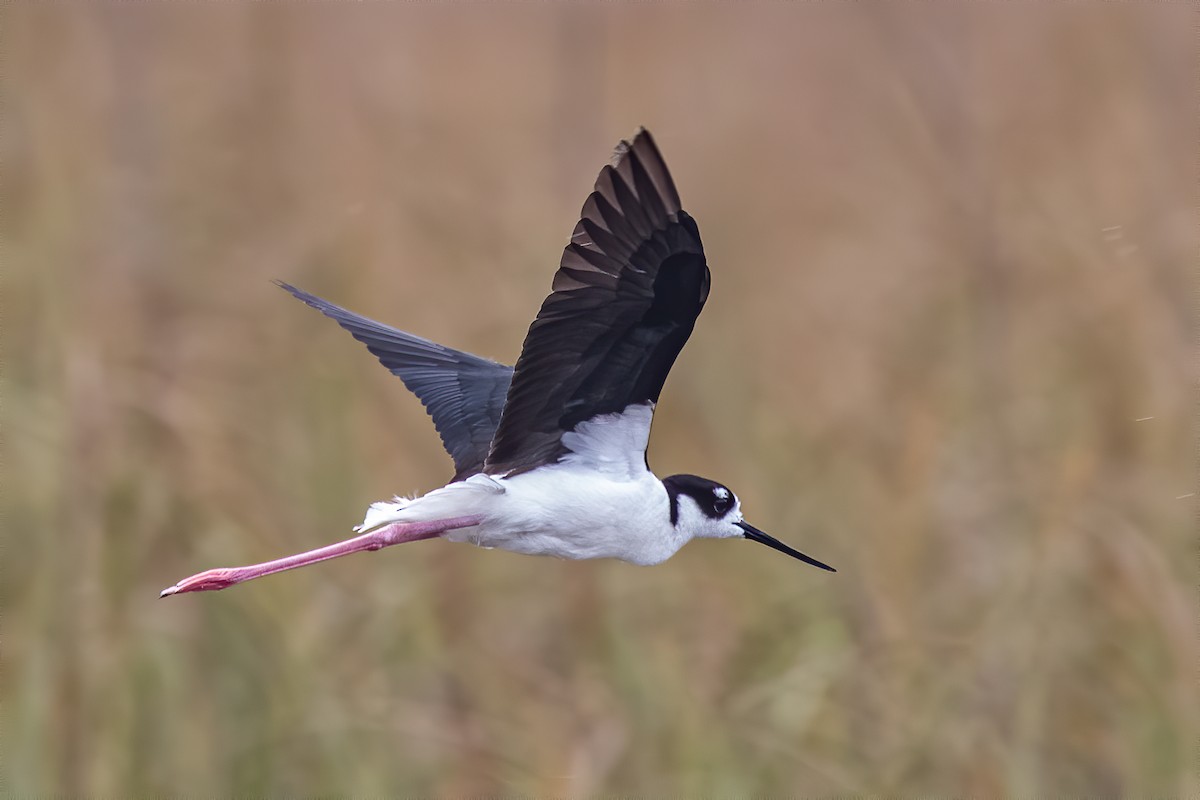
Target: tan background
(953, 249)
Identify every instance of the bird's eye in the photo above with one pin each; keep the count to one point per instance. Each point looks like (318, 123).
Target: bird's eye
(722, 501)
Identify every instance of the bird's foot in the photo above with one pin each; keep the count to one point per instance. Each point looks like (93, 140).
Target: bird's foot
(207, 581)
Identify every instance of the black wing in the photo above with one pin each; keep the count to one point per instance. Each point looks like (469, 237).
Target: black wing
(463, 393)
(626, 295)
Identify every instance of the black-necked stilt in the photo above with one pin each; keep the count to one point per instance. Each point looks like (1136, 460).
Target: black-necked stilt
(550, 455)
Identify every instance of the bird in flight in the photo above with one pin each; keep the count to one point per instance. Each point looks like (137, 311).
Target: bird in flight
(550, 455)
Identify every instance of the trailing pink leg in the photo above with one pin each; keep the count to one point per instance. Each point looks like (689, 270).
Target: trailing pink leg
(396, 533)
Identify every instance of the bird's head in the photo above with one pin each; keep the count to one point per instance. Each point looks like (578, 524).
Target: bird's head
(701, 508)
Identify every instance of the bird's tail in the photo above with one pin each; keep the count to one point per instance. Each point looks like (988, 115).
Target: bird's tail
(458, 499)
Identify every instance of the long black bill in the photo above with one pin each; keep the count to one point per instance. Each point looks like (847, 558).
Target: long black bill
(755, 535)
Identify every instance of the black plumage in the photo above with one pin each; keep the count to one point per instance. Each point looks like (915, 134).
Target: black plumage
(625, 298)
(713, 499)
(463, 393)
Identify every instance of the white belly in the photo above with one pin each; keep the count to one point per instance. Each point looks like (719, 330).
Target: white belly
(572, 512)
(599, 501)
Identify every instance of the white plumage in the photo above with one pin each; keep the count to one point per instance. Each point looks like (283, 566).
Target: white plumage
(599, 501)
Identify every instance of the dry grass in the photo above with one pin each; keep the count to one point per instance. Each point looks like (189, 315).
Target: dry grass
(948, 350)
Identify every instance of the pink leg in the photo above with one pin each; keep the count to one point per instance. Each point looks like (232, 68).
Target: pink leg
(396, 533)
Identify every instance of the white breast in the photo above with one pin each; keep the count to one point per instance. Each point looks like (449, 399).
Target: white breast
(572, 512)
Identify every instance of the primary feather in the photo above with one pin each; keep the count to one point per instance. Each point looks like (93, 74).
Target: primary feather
(625, 298)
(463, 393)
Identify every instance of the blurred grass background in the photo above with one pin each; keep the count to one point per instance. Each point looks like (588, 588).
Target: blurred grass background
(949, 350)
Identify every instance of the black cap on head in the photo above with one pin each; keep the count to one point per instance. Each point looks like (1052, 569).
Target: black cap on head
(714, 499)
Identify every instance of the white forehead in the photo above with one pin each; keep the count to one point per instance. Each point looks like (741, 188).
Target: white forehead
(721, 493)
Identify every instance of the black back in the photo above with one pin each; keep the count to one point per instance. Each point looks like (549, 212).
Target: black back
(625, 298)
(463, 393)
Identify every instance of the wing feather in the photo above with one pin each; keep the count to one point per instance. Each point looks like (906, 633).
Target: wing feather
(629, 287)
(463, 393)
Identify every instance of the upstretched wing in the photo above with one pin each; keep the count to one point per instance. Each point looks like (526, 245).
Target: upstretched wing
(625, 298)
(462, 392)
